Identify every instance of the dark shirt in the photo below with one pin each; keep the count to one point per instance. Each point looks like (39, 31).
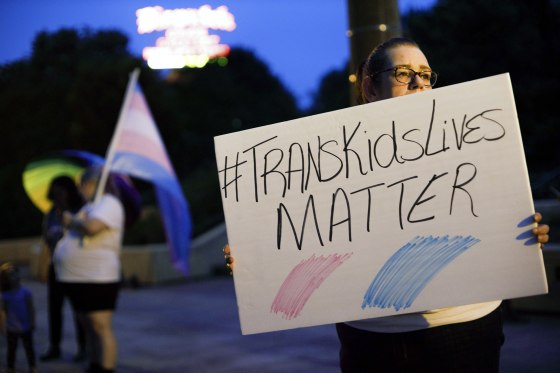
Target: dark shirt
(18, 305)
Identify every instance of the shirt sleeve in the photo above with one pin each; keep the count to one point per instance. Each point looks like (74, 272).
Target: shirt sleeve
(110, 211)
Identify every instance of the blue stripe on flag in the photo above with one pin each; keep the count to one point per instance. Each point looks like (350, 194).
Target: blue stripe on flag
(172, 203)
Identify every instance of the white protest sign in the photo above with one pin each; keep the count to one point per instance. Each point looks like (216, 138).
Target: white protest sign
(403, 205)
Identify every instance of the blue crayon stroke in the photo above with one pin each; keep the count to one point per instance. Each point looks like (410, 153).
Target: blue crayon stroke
(410, 269)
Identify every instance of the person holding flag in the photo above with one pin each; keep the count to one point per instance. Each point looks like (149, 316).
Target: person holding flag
(87, 263)
(88, 255)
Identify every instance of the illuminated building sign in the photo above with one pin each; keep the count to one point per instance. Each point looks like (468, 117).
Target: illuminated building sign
(186, 41)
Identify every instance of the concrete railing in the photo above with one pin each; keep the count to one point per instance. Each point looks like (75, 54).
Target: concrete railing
(141, 264)
(150, 264)
(18, 250)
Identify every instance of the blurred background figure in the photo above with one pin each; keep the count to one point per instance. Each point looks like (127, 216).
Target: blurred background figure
(17, 316)
(87, 261)
(64, 195)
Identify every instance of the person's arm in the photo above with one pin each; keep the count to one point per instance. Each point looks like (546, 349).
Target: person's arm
(87, 226)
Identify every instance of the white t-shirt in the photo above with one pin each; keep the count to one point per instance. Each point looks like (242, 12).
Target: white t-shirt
(428, 319)
(79, 258)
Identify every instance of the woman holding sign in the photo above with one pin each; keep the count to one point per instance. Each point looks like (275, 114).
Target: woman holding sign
(455, 339)
(464, 338)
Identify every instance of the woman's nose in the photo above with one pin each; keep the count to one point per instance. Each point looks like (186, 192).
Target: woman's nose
(417, 82)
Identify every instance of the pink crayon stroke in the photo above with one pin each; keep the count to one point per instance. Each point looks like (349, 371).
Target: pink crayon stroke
(302, 281)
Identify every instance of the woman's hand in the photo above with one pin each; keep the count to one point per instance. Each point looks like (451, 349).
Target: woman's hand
(87, 226)
(541, 231)
(228, 258)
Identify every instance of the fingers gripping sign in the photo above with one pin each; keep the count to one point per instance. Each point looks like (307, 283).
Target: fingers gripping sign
(228, 258)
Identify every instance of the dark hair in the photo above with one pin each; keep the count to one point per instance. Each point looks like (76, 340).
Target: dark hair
(358, 93)
(9, 277)
(66, 183)
(377, 59)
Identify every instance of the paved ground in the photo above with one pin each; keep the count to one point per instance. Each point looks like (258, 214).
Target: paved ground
(193, 327)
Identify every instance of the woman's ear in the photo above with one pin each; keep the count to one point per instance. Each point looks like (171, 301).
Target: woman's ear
(368, 90)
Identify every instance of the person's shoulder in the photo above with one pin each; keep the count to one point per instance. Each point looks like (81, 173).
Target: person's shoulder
(109, 198)
(106, 201)
(114, 202)
(109, 206)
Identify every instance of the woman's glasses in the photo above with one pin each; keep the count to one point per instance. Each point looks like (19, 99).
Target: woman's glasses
(406, 75)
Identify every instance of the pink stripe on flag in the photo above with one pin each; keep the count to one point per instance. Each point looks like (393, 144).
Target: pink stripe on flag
(138, 102)
(302, 282)
(133, 142)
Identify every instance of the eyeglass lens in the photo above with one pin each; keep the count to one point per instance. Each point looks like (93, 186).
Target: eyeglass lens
(406, 75)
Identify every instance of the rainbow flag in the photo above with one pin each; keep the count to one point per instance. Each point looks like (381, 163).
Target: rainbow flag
(137, 150)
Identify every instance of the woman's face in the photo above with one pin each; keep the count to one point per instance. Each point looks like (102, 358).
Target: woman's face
(87, 189)
(386, 86)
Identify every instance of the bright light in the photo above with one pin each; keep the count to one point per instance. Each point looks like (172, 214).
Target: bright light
(186, 41)
(166, 62)
(196, 61)
(156, 18)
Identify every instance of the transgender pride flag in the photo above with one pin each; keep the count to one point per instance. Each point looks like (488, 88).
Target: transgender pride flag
(137, 150)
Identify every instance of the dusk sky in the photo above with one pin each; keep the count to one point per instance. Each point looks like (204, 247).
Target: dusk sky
(300, 40)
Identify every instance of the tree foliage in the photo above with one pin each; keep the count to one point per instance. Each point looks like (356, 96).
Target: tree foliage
(332, 94)
(471, 39)
(68, 95)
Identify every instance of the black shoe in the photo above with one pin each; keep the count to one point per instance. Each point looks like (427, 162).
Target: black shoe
(51, 354)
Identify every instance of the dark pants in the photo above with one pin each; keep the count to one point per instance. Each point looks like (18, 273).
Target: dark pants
(472, 346)
(56, 307)
(27, 339)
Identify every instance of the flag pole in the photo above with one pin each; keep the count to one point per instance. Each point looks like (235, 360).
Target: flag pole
(110, 151)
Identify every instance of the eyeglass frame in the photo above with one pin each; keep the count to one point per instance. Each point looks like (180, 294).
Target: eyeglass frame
(415, 73)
